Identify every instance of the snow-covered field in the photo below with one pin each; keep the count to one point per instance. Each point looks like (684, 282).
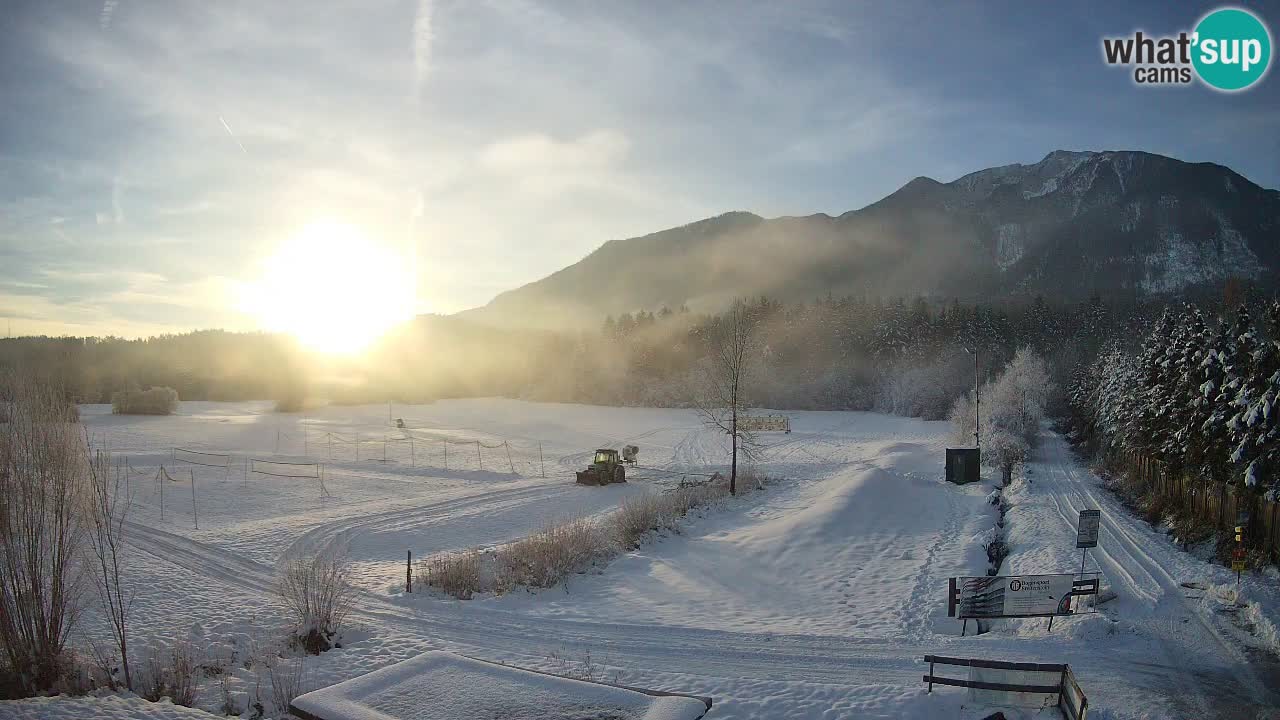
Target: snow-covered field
(816, 598)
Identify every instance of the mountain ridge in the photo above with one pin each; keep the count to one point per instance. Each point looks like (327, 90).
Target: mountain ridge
(1074, 223)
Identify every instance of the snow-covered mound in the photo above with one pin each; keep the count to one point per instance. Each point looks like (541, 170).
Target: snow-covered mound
(110, 707)
(444, 686)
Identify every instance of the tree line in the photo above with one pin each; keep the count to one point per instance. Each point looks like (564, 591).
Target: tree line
(1200, 392)
(909, 356)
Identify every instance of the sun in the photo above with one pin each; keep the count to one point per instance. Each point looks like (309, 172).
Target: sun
(333, 288)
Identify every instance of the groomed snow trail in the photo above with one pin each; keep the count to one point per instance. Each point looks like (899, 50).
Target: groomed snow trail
(1193, 664)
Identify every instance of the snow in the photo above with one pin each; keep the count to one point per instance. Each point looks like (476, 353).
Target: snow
(109, 707)
(815, 598)
(444, 686)
(1191, 659)
(1009, 245)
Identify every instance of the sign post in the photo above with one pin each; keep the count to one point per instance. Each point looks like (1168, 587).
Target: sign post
(1087, 534)
(1237, 555)
(1014, 596)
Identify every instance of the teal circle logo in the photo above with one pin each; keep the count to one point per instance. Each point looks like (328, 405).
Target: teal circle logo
(1232, 49)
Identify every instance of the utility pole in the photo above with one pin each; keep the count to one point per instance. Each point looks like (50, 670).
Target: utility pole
(977, 401)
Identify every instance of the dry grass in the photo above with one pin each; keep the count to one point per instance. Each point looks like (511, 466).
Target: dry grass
(560, 550)
(551, 555)
(456, 574)
(638, 516)
(286, 677)
(171, 673)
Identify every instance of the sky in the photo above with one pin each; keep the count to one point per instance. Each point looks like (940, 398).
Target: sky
(155, 155)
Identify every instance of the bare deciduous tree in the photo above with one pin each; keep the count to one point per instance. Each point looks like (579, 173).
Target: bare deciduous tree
(721, 397)
(41, 529)
(108, 506)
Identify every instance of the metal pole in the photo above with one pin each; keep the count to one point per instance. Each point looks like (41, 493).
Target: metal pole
(277, 441)
(408, 573)
(1083, 553)
(513, 465)
(413, 462)
(977, 403)
(446, 453)
(541, 464)
(478, 458)
(194, 515)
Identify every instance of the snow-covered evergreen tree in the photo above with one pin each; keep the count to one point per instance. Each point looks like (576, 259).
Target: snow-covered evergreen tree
(1254, 424)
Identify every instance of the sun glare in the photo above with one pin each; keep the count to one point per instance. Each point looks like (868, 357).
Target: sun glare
(333, 288)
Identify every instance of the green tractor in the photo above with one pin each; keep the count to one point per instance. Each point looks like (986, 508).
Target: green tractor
(604, 469)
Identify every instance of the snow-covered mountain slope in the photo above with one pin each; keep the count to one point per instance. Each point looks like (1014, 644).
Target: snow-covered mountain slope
(1116, 223)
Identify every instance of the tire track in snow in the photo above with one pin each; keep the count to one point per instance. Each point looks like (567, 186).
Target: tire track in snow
(1125, 552)
(234, 570)
(327, 536)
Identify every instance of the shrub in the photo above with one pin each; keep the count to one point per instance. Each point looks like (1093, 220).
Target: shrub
(550, 555)
(291, 398)
(639, 515)
(42, 463)
(317, 591)
(457, 574)
(559, 550)
(172, 673)
(286, 682)
(153, 401)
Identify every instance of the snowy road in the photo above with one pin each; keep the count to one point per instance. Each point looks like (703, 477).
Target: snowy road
(814, 599)
(1199, 668)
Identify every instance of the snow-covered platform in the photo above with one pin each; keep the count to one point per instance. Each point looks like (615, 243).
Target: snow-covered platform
(443, 686)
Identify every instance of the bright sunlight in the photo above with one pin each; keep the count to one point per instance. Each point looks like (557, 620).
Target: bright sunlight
(333, 288)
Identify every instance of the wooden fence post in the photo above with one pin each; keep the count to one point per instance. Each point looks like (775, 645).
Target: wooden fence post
(408, 572)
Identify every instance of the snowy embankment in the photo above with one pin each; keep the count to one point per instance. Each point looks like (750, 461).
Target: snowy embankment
(1166, 630)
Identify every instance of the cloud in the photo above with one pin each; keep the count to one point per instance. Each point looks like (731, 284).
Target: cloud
(422, 38)
(108, 11)
(551, 128)
(539, 152)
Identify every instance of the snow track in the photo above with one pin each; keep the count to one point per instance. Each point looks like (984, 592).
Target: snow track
(1209, 675)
